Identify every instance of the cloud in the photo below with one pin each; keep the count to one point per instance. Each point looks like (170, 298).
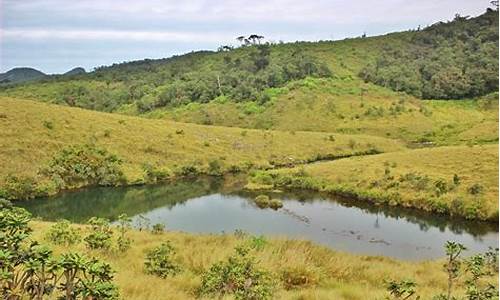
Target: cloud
(157, 28)
(72, 34)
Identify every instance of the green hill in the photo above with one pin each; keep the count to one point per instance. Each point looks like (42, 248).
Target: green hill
(322, 86)
(18, 75)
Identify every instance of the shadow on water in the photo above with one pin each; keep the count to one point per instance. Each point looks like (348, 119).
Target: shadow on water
(78, 206)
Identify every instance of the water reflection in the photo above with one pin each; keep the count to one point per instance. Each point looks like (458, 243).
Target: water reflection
(215, 206)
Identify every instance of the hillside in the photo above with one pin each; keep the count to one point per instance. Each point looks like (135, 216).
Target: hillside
(33, 133)
(459, 180)
(323, 86)
(18, 75)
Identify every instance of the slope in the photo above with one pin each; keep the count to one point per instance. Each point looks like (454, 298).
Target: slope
(33, 132)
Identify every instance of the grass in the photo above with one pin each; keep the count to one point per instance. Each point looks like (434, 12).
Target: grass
(33, 132)
(348, 105)
(422, 178)
(335, 275)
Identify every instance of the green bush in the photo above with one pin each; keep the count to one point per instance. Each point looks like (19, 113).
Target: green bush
(238, 276)
(82, 165)
(19, 187)
(61, 233)
(100, 234)
(158, 228)
(29, 270)
(275, 204)
(262, 201)
(214, 168)
(124, 224)
(475, 189)
(159, 261)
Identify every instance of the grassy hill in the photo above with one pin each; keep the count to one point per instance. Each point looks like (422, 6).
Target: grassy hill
(459, 180)
(33, 133)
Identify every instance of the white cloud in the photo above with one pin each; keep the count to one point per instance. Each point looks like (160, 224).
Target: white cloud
(161, 36)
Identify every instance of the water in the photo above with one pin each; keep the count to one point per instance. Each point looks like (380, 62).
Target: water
(214, 206)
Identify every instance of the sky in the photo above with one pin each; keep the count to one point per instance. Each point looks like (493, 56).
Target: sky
(55, 36)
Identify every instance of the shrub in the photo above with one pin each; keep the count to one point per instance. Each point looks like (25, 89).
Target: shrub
(31, 271)
(404, 289)
(238, 276)
(158, 228)
(124, 224)
(214, 168)
(100, 235)
(48, 124)
(159, 261)
(188, 170)
(19, 187)
(61, 233)
(82, 165)
(257, 242)
(262, 201)
(153, 174)
(295, 277)
(475, 189)
(275, 204)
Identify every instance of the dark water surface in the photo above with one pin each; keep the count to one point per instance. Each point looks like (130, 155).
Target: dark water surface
(214, 206)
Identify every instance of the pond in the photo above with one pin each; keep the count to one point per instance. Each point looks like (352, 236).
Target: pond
(220, 206)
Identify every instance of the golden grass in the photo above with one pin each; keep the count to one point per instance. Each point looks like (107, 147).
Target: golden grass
(472, 164)
(340, 275)
(27, 141)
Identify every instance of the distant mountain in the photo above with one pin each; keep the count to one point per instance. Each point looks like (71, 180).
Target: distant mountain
(17, 75)
(75, 71)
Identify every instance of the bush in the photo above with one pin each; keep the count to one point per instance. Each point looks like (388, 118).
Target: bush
(158, 228)
(295, 277)
(214, 168)
(475, 189)
(238, 276)
(262, 201)
(100, 235)
(82, 165)
(189, 170)
(159, 261)
(19, 187)
(275, 204)
(31, 271)
(124, 224)
(153, 174)
(61, 233)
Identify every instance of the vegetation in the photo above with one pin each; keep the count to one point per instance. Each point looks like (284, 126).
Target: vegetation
(476, 267)
(316, 272)
(422, 179)
(342, 117)
(77, 152)
(31, 270)
(238, 276)
(451, 60)
(159, 261)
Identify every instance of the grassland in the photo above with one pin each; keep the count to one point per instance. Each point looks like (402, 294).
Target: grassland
(331, 274)
(348, 105)
(33, 132)
(458, 180)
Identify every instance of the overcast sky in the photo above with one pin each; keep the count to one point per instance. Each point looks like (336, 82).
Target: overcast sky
(57, 35)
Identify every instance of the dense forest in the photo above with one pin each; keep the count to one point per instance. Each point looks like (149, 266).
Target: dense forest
(451, 60)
